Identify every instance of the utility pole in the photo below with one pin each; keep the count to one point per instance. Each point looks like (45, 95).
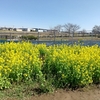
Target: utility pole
(62, 35)
(10, 36)
(38, 36)
(54, 35)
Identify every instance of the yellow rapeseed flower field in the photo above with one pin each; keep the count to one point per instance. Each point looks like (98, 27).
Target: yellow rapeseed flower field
(63, 65)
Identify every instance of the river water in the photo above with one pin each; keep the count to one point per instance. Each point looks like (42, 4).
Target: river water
(89, 42)
(86, 42)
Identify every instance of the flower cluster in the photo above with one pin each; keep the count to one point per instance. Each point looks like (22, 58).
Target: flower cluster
(62, 65)
(73, 65)
(18, 62)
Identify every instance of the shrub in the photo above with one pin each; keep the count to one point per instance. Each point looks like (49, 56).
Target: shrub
(30, 37)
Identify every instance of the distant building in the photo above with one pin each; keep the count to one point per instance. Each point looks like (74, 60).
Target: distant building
(42, 30)
(25, 29)
(6, 28)
(3, 28)
(34, 30)
(10, 29)
(21, 29)
(18, 29)
(37, 30)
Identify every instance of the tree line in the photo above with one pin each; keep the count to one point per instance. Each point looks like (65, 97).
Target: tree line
(72, 28)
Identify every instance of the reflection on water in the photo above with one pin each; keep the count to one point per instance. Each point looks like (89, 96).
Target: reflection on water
(88, 42)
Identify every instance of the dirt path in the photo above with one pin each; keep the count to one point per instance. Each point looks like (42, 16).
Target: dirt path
(88, 93)
(80, 94)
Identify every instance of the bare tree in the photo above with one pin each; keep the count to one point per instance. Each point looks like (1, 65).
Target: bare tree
(83, 32)
(71, 28)
(75, 28)
(68, 27)
(58, 28)
(96, 30)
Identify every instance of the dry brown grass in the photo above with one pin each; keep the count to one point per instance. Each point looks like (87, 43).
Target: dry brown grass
(48, 36)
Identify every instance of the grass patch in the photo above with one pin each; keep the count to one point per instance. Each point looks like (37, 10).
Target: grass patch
(18, 91)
